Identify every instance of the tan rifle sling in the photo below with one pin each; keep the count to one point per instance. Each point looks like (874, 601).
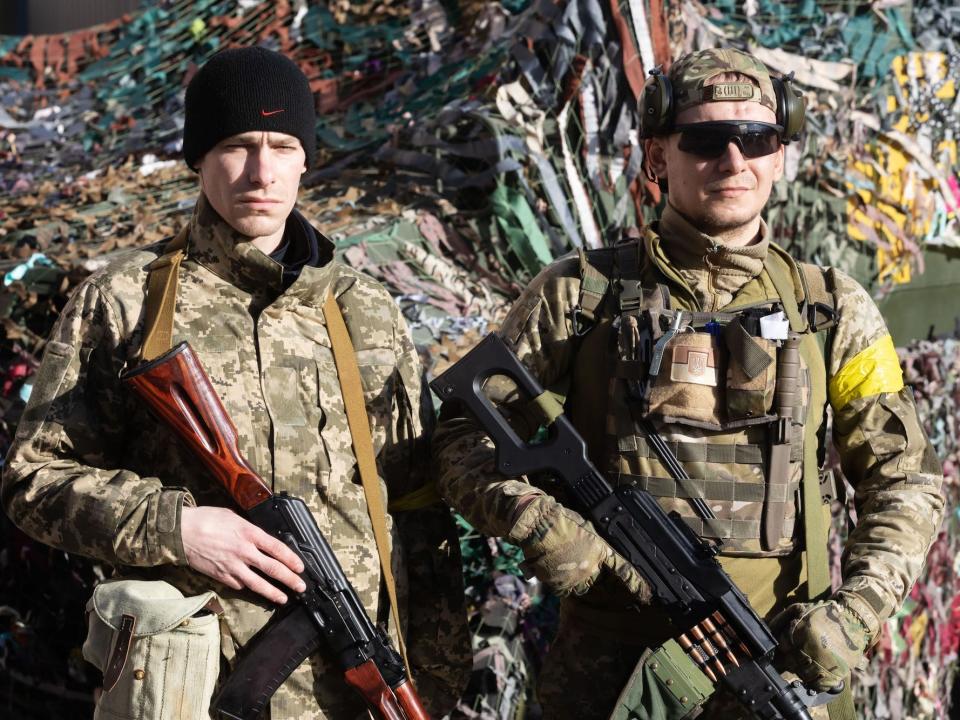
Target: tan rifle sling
(348, 372)
(161, 300)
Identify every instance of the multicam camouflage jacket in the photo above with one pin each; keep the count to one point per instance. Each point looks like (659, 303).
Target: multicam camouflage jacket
(91, 472)
(883, 450)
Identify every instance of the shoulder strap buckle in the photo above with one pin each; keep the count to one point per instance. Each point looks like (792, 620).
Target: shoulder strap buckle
(820, 316)
(578, 323)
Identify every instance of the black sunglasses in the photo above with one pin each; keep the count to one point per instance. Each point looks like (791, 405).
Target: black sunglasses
(709, 140)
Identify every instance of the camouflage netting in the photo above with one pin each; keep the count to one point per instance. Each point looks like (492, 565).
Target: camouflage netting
(463, 145)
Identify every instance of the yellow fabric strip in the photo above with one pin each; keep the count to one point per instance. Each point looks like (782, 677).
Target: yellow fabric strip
(420, 498)
(872, 371)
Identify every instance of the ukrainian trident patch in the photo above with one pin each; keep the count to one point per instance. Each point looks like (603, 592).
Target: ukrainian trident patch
(694, 365)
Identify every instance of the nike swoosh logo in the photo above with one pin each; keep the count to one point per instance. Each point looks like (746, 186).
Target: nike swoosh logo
(268, 113)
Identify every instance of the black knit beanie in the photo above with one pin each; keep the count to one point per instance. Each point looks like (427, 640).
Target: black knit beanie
(247, 89)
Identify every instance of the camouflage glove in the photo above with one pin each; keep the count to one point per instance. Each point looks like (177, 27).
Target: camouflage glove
(564, 552)
(823, 641)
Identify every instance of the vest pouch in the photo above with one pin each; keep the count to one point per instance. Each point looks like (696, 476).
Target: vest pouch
(158, 650)
(689, 387)
(751, 380)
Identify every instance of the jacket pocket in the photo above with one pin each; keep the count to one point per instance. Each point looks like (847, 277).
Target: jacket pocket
(158, 650)
(219, 355)
(48, 407)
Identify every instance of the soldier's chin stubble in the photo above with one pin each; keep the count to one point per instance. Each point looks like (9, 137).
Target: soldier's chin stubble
(716, 224)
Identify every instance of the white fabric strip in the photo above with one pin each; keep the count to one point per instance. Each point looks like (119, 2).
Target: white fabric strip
(591, 129)
(642, 30)
(588, 225)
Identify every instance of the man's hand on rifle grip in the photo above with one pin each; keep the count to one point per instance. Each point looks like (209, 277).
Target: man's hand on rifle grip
(823, 641)
(221, 544)
(564, 552)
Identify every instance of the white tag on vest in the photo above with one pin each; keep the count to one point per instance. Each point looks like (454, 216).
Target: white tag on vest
(774, 326)
(694, 365)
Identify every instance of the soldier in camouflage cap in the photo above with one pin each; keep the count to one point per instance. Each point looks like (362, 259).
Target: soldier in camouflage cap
(740, 394)
(693, 74)
(91, 472)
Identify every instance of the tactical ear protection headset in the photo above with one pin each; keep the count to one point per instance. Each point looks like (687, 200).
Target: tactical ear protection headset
(657, 106)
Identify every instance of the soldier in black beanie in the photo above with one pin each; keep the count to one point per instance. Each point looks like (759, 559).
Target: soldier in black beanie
(253, 287)
(247, 89)
(250, 134)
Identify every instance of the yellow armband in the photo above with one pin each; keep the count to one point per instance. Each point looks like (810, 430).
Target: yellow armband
(874, 370)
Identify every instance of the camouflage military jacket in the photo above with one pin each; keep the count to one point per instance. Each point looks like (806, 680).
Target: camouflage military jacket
(883, 450)
(92, 473)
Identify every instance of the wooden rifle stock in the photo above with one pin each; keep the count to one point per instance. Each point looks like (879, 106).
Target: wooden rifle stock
(399, 703)
(410, 702)
(176, 387)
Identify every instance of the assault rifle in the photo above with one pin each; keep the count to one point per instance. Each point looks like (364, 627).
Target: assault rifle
(720, 630)
(328, 613)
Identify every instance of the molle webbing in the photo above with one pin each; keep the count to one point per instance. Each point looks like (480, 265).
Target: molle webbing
(597, 267)
(799, 289)
(784, 276)
(593, 288)
(712, 490)
(724, 453)
(821, 300)
(732, 529)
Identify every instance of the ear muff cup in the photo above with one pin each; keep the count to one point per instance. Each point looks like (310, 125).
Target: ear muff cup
(656, 106)
(791, 108)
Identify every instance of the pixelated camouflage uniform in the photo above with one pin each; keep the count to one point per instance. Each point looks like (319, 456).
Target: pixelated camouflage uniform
(91, 472)
(883, 449)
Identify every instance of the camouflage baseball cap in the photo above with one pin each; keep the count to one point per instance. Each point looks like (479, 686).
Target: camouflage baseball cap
(689, 76)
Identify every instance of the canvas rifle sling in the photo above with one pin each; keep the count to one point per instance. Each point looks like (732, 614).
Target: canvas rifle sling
(348, 372)
(161, 300)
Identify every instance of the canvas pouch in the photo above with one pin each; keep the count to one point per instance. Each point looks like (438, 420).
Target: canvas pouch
(158, 650)
(689, 387)
(751, 382)
(707, 381)
(665, 685)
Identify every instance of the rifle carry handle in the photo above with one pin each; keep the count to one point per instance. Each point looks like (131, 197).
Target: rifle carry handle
(176, 388)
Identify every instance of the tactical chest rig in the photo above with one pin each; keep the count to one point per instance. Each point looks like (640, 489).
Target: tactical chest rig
(743, 414)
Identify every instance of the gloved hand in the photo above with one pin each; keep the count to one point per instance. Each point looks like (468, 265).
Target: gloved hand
(564, 552)
(823, 641)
